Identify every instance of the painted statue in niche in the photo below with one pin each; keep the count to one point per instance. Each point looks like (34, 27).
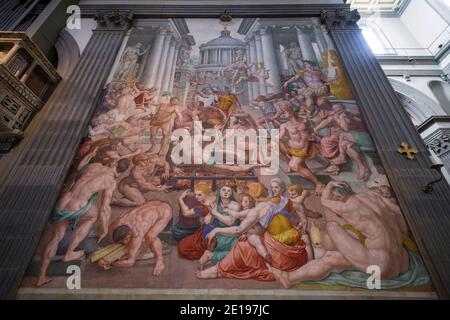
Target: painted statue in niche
(157, 197)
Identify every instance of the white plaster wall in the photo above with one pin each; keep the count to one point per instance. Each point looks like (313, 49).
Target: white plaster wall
(397, 34)
(427, 26)
(419, 83)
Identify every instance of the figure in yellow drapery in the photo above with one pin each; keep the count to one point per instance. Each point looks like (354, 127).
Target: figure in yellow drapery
(227, 105)
(340, 87)
(280, 227)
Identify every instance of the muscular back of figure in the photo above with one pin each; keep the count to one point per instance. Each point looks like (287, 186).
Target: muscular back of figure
(95, 178)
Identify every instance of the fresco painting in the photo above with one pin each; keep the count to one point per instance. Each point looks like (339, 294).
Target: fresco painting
(309, 206)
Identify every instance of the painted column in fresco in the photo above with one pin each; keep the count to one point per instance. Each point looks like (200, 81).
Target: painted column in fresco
(162, 63)
(173, 65)
(270, 60)
(427, 214)
(319, 34)
(167, 73)
(31, 176)
(249, 84)
(254, 61)
(151, 68)
(305, 43)
(260, 59)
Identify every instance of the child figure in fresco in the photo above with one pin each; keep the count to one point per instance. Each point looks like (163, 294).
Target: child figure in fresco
(253, 235)
(298, 196)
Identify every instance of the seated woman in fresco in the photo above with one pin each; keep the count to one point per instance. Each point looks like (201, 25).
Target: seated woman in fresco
(253, 235)
(222, 244)
(193, 246)
(286, 245)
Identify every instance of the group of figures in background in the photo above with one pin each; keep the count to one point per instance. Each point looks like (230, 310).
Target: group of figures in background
(326, 217)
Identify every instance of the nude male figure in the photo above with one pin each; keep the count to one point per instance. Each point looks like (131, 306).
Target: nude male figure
(376, 218)
(342, 122)
(164, 119)
(140, 224)
(299, 146)
(87, 202)
(142, 180)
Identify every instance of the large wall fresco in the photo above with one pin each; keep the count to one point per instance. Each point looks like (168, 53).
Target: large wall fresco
(160, 194)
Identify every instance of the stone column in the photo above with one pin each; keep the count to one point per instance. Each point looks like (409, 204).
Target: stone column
(249, 84)
(254, 61)
(167, 74)
(270, 61)
(32, 174)
(389, 124)
(174, 67)
(151, 67)
(319, 33)
(260, 63)
(305, 43)
(11, 53)
(28, 72)
(162, 63)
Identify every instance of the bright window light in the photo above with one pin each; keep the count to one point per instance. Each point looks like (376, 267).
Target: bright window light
(374, 42)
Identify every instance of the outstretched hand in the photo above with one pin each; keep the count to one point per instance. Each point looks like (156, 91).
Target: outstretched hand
(210, 236)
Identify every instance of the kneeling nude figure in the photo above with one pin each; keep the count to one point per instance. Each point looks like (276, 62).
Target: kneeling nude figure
(143, 223)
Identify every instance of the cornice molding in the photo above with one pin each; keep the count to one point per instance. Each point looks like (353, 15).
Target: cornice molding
(214, 11)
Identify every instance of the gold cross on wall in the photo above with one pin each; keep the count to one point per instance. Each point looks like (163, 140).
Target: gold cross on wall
(410, 153)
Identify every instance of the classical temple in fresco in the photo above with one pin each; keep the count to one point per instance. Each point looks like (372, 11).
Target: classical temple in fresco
(294, 148)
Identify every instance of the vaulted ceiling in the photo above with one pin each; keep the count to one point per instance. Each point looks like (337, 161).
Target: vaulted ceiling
(388, 6)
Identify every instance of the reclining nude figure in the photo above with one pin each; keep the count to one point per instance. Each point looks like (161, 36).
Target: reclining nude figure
(87, 202)
(143, 223)
(377, 220)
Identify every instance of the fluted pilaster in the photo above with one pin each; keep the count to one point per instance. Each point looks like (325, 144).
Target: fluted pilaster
(32, 174)
(389, 124)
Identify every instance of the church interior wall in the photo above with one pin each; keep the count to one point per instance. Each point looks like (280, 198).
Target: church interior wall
(429, 31)
(137, 69)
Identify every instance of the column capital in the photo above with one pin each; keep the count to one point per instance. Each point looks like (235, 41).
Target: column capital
(263, 30)
(340, 19)
(173, 42)
(302, 29)
(113, 20)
